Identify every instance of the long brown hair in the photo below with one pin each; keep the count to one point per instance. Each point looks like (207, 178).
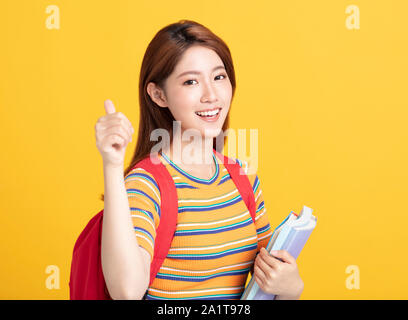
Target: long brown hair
(161, 56)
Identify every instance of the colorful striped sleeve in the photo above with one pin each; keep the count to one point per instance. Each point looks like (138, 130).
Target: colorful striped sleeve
(144, 203)
(263, 227)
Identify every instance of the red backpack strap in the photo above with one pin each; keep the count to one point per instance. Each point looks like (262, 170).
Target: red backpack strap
(168, 209)
(241, 181)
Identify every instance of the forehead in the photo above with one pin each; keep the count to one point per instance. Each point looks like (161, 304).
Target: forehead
(198, 58)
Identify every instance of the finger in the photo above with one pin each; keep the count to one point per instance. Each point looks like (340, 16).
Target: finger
(116, 130)
(259, 281)
(113, 140)
(110, 110)
(122, 116)
(119, 123)
(269, 259)
(284, 255)
(264, 267)
(259, 274)
(109, 107)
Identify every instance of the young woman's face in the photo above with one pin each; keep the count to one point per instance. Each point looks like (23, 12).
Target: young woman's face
(199, 82)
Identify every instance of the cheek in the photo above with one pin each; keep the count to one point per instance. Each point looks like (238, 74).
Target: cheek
(226, 96)
(180, 107)
(183, 101)
(225, 110)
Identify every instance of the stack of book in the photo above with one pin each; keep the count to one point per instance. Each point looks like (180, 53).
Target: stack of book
(291, 235)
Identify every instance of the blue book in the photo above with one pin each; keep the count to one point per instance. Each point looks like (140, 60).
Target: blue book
(290, 235)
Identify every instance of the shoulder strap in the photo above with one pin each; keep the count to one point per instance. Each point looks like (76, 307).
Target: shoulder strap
(168, 208)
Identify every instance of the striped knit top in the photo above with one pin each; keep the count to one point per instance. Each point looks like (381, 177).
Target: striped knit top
(215, 242)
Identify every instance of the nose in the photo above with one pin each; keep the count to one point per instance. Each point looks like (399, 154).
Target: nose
(209, 93)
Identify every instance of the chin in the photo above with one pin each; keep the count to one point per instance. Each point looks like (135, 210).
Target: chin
(211, 133)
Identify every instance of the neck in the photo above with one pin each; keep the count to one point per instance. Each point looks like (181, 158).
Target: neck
(197, 153)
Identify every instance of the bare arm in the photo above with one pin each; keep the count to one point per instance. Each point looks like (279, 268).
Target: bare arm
(125, 265)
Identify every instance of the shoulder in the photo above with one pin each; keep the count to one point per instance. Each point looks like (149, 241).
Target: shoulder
(142, 181)
(140, 173)
(243, 164)
(250, 169)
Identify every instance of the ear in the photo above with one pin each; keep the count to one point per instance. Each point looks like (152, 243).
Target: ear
(157, 94)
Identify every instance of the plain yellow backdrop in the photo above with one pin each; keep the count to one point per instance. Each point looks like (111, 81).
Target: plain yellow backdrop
(329, 103)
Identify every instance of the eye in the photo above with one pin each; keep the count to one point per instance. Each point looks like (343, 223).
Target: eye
(221, 75)
(188, 81)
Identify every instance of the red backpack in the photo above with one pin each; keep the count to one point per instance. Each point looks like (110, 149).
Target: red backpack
(86, 279)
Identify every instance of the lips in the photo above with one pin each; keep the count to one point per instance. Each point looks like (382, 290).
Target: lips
(209, 112)
(209, 116)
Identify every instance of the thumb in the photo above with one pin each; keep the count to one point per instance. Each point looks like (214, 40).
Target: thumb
(109, 107)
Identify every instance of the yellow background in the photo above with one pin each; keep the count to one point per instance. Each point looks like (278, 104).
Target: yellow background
(330, 105)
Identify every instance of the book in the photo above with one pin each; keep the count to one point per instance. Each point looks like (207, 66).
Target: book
(290, 235)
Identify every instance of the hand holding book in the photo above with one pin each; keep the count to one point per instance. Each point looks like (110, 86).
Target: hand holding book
(277, 273)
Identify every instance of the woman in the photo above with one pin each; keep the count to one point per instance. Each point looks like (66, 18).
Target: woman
(186, 71)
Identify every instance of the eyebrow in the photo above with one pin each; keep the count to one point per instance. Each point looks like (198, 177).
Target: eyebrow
(197, 72)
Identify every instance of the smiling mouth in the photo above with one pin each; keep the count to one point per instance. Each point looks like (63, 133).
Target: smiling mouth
(208, 114)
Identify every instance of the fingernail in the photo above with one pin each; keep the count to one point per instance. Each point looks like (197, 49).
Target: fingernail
(274, 252)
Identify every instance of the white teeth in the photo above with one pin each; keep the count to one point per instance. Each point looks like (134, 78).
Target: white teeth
(208, 113)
